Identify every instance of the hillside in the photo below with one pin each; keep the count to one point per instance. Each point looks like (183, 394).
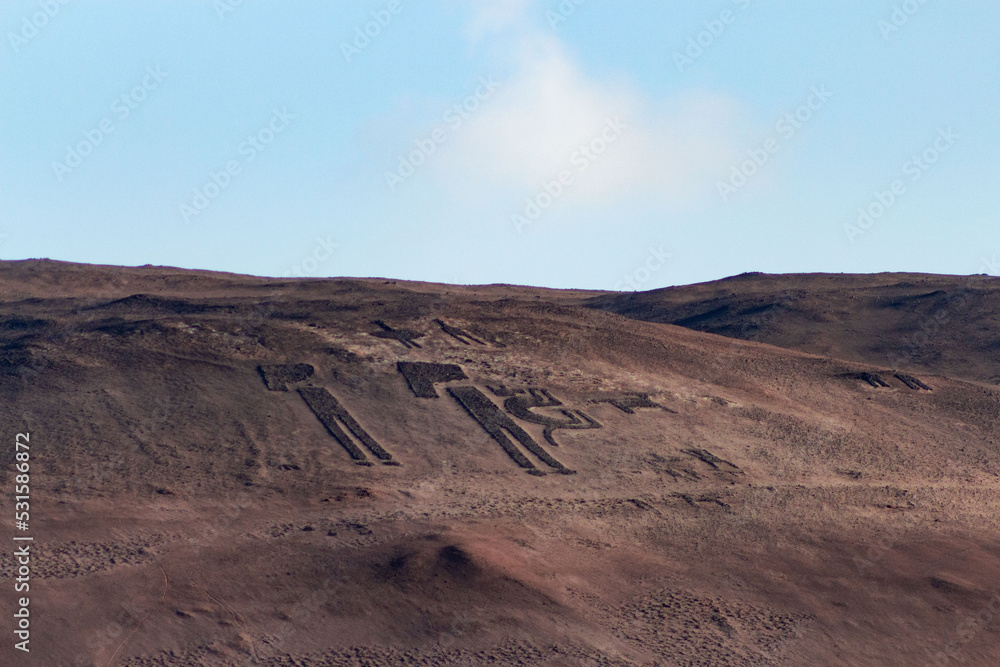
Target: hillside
(229, 470)
(925, 323)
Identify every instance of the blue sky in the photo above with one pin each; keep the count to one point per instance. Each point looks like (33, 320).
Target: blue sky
(573, 143)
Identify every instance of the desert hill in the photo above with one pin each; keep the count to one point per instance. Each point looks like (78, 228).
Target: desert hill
(229, 470)
(925, 323)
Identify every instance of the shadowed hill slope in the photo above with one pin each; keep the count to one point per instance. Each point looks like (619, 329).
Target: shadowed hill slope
(230, 470)
(925, 323)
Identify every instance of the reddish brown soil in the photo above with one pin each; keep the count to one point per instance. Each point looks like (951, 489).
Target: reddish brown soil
(927, 323)
(761, 506)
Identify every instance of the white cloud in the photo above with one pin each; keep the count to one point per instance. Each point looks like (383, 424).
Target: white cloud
(532, 127)
(546, 108)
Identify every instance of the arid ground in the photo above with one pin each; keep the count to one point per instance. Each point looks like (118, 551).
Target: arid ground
(763, 470)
